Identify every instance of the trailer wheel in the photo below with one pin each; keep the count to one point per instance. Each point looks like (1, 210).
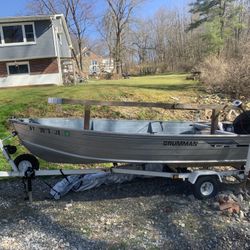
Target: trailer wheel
(206, 187)
(25, 161)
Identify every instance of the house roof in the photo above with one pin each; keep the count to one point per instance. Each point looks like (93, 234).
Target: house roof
(39, 18)
(86, 49)
(24, 18)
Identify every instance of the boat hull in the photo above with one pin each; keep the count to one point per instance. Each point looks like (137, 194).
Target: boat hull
(68, 145)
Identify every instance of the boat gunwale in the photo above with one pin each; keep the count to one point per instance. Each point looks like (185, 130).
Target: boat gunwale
(191, 136)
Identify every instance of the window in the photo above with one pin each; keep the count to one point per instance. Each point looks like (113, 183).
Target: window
(17, 34)
(85, 54)
(94, 62)
(106, 63)
(13, 34)
(29, 33)
(18, 68)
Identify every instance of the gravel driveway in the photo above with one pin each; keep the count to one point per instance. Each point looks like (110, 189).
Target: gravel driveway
(144, 214)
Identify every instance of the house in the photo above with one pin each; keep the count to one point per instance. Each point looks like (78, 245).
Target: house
(34, 50)
(94, 64)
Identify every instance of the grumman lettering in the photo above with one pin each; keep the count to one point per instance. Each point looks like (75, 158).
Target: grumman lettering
(180, 143)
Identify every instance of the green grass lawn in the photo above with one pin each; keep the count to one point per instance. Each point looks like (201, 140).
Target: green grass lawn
(32, 101)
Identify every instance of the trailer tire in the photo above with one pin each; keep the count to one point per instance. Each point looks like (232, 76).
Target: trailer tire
(25, 161)
(206, 187)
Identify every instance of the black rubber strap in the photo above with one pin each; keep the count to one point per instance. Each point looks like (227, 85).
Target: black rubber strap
(64, 176)
(46, 183)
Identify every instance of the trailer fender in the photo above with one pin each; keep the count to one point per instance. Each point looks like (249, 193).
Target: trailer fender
(192, 178)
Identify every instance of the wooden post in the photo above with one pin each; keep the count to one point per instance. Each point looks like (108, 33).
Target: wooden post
(216, 109)
(86, 117)
(214, 120)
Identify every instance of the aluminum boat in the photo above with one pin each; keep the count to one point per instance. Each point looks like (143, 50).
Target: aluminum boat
(62, 140)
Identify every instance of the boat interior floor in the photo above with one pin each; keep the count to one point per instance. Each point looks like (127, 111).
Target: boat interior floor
(130, 126)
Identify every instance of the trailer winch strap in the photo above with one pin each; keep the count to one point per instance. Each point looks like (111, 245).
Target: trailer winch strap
(64, 176)
(46, 183)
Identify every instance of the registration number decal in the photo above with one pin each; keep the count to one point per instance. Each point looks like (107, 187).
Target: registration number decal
(51, 131)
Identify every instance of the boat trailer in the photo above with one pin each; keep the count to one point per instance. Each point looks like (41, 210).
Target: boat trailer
(205, 182)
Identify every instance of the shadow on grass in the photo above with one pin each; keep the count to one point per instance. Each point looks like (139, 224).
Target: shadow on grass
(165, 87)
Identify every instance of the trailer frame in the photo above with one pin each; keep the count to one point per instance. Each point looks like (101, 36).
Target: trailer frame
(209, 177)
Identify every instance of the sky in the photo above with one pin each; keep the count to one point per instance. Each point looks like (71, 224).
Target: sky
(19, 7)
(12, 7)
(151, 6)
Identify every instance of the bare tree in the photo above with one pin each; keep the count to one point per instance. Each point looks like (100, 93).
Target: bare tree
(106, 29)
(144, 46)
(120, 12)
(158, 43)
(78, 15)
